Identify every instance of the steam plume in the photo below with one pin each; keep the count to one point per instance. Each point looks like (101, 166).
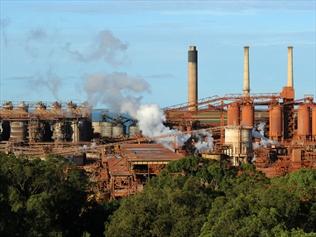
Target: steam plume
(120, 91)
(105, 47)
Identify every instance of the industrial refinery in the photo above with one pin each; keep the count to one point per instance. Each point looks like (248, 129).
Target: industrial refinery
(274, 131)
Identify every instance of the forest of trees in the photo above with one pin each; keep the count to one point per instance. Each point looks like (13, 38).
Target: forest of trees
(191, 197)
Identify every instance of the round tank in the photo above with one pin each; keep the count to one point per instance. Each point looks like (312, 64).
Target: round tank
(58, 132)
(96, 127)
(303, 121)
(5, 130)
(133, 130)
(247, 115)
(106, 129)
(33, 130)
(117, 131)
(275, 121)
(18, 131)
(233, 114)
(85, 130)
(240, 140)
(314, 121)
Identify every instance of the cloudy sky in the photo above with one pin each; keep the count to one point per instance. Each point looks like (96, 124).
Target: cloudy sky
(93, 50)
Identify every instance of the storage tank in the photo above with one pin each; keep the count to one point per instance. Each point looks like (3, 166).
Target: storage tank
(75, 131)
(275, 121)
(58, 131)
(18, 131)
(85, 130)
(247, 115)
(106, 129)
(233, 114)
(314, 121)
(240, 141)
(117, 131)
(96, 127)
(303, 121)
(133, 130)
(33, 131)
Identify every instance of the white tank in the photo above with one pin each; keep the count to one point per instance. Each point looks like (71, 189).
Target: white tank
(58, 132)
(96, 127)
(106, 129)
(133, 130)
(117, 131)
(240, 141)
(18, 131)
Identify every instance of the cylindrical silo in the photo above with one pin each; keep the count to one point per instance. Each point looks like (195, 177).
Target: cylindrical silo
(247, 115)
(85, 130)
(314, 122)
(192, 78)
(18, 131)
(58, 132)
(133, 130)
(117, 131)
(96, 127)
(106, 129)
(303, 121)
(240, 141)
(233, 114)
(275, 122)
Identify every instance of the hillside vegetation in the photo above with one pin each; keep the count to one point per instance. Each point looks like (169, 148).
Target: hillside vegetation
(191, 197)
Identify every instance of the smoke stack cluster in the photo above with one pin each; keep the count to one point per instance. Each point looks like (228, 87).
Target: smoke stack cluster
(192, 78)
(246, 84)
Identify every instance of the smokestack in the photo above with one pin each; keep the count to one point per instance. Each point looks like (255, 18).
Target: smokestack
(246, 85)
(290, 66)
(192, 78)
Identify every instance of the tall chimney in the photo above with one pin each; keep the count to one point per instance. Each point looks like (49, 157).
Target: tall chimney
(290, 66)
(246, 85)
(192, 78)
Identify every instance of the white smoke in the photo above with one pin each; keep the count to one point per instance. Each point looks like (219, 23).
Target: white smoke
(151, 122)
(205, 142)
(120, 91)
(258, 132)
(105, 47)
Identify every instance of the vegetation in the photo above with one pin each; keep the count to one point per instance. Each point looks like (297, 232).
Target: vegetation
(197, 197)
(191, 197)
(47, 198)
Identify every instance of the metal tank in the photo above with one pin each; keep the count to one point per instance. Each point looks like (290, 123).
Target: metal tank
(85, 130)
(133, 130)
(240, 141)
(96, 127)
(75, 131)
(18, 131)
(106, 129)
(303, 121)
(58, 132)
(314, 121)
(247, 115)
(275, 122)
(117, 131)
(233, 114)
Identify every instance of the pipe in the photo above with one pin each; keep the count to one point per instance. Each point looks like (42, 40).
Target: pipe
(192, 78)
(246, 84)
(290, 66)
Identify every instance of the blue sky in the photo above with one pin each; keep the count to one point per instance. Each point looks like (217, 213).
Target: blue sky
(48, 49)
